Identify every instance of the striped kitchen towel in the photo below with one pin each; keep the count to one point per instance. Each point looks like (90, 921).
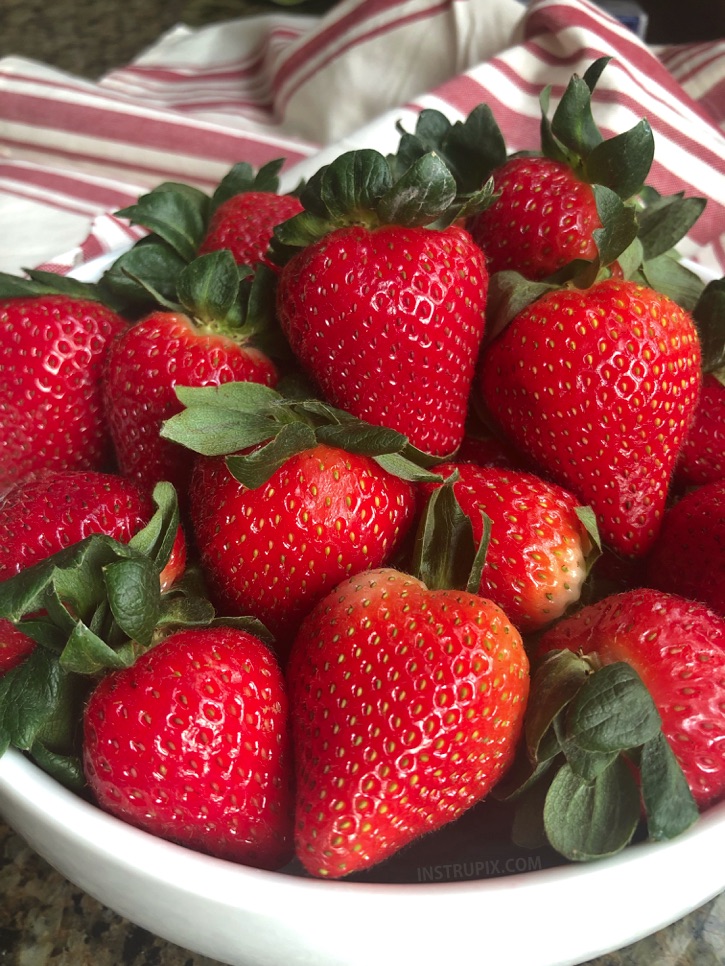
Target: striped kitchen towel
(306, 88)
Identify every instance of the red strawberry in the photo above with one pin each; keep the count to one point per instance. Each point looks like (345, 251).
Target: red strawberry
(484, 448)
(276, 550)
(54, 510)
(536, 560)
(385, 314)
(599, 388)
(543, 218)
(406, 708)
(702, 457)
(678, 649)
(51, 415)
(191, 743)
(245, 223)
(693, 529)
(208, 346)
(14, 646)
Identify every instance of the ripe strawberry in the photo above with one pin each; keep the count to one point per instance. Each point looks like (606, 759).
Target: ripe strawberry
(678, 649)
(191, 743)
(692, 529)
(385, 315)
(599, 387)
(536, 560)
(207, 344)
(406, 708)
(543, 218)
(51, 353)
(274, 551)
(245, 224)
(41, 515)
(702, 457)
(484, 448)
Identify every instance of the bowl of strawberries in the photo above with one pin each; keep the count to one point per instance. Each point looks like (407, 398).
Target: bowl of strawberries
(343, 571)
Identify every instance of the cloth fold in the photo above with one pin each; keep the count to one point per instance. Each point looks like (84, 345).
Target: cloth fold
(305, 88)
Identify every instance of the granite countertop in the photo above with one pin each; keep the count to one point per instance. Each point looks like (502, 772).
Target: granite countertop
(44, 919)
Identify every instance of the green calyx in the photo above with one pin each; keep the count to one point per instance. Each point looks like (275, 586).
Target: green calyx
(236, 417)
(365, 188)
(446, 555)
(589, 730)
(708, 314)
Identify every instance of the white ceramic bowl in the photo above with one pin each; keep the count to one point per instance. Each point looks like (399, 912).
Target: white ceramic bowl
(244, 917)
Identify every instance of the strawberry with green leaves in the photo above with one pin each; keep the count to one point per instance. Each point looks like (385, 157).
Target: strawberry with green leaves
(192, 743)
(693, 529)
(381, 296)
(539, 550)
(204, 339)
(598, 386)
(53, 340)
(53, 510)
(247, 209)
(677, 648)
(315, 497)
(407, 699)
(172, 721)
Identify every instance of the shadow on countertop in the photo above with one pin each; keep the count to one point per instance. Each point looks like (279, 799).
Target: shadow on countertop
(89, 39)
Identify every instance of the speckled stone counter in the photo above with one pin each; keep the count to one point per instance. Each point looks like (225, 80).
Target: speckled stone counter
(47, 921)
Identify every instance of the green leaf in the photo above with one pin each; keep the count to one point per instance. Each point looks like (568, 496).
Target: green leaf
(709, 316)
(134, 597)
(406, 469)
(573, 124)
(66, 769)
(619, 224)
(588, 520)
(622, 163)
(86, 653)
(420, 195)
(555, 682)
(364, 438)
(46, 283)
(667, 798)
(157, 538)
(667, 275)
(664, 224)
(212, 431)
(614, 711)
(241, 178)
(509, 293)
(446, 555)
(177, 213)
(182, 611)
(28, 697)
(630, 260)
(352, 186)
(244, 397)
(150, 264)
(256, 468)
(208, 287)
(591, 819)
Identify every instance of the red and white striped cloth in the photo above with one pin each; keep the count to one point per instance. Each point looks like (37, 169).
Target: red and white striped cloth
(304, 88)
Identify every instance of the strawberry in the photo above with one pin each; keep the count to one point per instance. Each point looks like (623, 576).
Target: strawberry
(559, 209)
(191, 743)
(41, 515)
(52, 510)
(599, 387)
(383, 312)
(692, 529)
(275, 550)
(52, 348)
(406, 707)
(702, 457)
(203, 342)
(677, 647)
(245, 224)
(544, 217)
(536, 558)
